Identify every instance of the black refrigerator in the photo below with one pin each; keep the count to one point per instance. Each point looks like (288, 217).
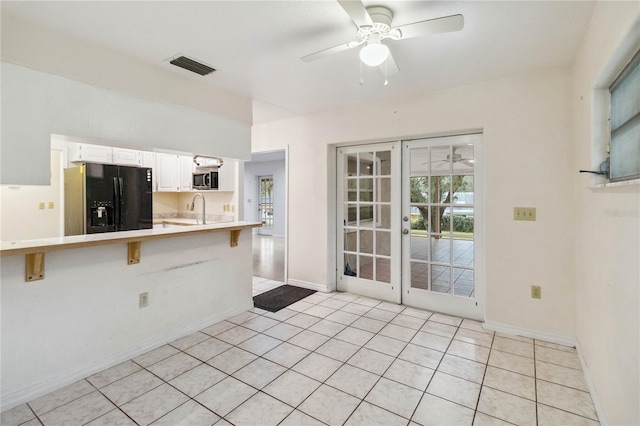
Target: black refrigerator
(107, 198)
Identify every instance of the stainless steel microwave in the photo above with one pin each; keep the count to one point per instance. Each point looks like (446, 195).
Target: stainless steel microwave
(205, 180)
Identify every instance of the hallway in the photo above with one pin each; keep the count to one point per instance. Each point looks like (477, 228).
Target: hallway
(268, 257)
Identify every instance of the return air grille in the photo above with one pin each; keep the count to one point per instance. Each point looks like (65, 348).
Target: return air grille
(191, 65)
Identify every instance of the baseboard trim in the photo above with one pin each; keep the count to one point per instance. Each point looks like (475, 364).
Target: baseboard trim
(10, 400)
(534, 334)
(592, 389)
(310, 286)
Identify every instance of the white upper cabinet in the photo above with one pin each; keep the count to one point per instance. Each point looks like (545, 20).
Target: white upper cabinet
(186, 173)
(167, 172)
(127, 157)
(87, 153)
(227, 175)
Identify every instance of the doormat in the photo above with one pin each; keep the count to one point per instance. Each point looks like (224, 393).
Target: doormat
(280, 297)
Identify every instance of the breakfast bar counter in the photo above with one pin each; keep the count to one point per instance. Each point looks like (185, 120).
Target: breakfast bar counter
(98, 300)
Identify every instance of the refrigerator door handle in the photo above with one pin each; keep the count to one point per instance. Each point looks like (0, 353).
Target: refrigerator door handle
(121, 202)
(116, 203)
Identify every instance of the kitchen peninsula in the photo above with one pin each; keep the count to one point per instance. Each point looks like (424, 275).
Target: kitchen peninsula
(87, 311)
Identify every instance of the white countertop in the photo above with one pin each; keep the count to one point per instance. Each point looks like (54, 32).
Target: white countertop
(56, 243)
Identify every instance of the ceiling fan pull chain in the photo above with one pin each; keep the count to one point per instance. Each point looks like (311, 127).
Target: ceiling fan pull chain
(386, 82)
(361, 80)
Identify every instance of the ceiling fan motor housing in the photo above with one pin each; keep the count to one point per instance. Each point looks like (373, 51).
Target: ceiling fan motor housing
(381, 28)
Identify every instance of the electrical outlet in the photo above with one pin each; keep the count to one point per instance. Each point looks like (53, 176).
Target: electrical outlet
(524, 213)
(41, 206)
(143, 301)
(536, 292)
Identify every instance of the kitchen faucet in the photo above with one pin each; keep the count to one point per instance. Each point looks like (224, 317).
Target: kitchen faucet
(193, 205)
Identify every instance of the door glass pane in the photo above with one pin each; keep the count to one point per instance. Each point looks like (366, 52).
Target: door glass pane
(462, 250)
(439, 221)
(383, 190)
(463, 220)
(366, 163)
(440, 249)
(440, 189)
(383, 163)
(384, 219)
(366, 190)
(366, 267)
(419, 161)
(366, 215)
(462, 159)
(351, 192)
(350, 240)
(463, 282)
(420, 275)
(440, 279)
(351, 164)
(419, 245)
(383, 243)
(383, 270)
(463, 189)
(366, 242)
(350, 264)
(419, 189)
(441, 160)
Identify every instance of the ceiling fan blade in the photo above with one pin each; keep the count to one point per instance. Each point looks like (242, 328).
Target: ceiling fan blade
(358, 13)
(391, 66)
(467, 162)
(432, 26)
(331, 50)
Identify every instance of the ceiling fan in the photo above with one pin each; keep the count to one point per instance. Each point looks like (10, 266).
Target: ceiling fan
(454, 157)
(374, 24)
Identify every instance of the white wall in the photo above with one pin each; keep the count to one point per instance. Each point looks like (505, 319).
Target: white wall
(54, 83)
(607, 226)
(84, 316)
(526, 122)
(36, 105)
(21, 217)
(277, 169)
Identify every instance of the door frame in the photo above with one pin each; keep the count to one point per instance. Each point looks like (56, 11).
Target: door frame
(479, 225)
(241, 197)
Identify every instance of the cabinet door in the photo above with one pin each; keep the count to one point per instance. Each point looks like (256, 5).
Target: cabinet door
(186, 173)
(126, 157)
(167, 172)
(87, 153)
(227, 175)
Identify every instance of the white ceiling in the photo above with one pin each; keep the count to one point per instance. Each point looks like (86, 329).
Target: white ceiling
(256, 46)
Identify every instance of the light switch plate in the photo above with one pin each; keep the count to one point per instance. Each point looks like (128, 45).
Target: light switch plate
(524, 213)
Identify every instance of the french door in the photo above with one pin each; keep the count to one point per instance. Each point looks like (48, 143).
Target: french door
(368, 209)
(408, 223)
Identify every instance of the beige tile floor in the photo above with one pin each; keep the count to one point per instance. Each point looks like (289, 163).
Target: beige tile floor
(330, 359)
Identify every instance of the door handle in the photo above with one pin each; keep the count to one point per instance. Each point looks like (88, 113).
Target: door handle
(405, 231)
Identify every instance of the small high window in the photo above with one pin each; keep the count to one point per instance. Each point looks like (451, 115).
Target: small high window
(625, 123)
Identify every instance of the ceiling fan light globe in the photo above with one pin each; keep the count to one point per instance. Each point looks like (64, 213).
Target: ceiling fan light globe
(374, 54)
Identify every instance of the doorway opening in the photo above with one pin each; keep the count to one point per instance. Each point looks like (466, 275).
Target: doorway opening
(266, 202)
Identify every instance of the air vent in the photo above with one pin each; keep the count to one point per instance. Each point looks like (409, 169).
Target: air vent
(191, 65)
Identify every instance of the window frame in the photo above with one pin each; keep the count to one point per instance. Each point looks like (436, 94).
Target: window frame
(629, 67)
